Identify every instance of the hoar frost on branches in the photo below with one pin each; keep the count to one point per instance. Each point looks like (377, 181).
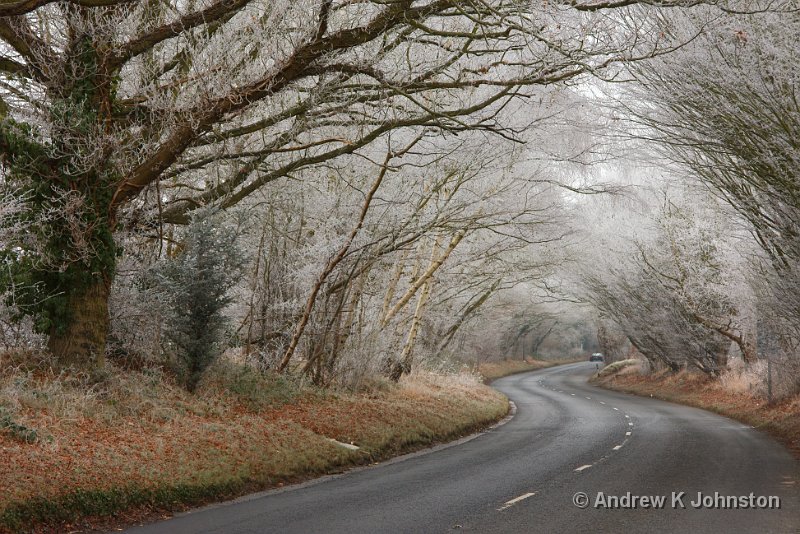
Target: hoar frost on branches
(146, 111)
(724, 111)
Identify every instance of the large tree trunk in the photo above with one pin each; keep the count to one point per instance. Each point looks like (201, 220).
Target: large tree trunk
(82, 343)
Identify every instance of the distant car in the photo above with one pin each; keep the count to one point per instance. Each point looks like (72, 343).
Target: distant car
(597, 357)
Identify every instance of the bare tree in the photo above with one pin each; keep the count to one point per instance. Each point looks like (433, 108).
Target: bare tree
(139, 113)
(672, 276)
(724, 109)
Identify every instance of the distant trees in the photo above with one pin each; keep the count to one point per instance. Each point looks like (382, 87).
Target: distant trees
(668, 278)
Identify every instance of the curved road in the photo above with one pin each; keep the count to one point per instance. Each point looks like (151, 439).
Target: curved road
(567, 437)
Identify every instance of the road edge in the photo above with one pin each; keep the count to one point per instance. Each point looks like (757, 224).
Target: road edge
(355, 469)
(768, 429)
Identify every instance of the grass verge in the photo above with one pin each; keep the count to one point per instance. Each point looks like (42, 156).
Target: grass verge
(135, 446)
(780, 419)
(500, 368)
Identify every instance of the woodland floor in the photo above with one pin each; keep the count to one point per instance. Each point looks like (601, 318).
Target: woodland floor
(79, 454)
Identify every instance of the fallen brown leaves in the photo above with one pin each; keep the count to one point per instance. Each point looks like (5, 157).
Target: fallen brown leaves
(198, 441)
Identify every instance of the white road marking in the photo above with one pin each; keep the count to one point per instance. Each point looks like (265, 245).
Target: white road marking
(581, 468)
(630, 424)
(618, 447)
(572, 394)
(514, 501)
(627, 433)
(627, 416)
(617, 409)
(601, 402)
(588, 398)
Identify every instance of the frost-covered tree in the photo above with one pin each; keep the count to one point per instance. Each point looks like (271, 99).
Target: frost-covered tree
(126, 113)
(381, 264)
(725, 110)
(194, 285)
(669, 274)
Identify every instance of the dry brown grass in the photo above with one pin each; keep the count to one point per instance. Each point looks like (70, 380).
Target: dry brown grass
(620, 367)
(733, 397)
(500, 368)
(133, 439)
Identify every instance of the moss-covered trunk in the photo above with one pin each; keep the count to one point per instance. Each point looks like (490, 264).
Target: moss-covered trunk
(82, 341)
(79, 320)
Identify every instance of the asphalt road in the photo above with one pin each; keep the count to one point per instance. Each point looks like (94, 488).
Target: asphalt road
(566, 437)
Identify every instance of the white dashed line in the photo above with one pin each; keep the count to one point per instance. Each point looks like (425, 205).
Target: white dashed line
(588, 398)
(627, 416)
(618, 447)
(617, 409)
(572, 394)
(630, 424)
(627, 433)
(601, 402)
(514, 501)
(581, 468)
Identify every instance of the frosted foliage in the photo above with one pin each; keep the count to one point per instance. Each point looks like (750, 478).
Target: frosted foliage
(194, 286)
(213, 100)
(666, 273)
(483, 220)
(724, 111)
(416, 181)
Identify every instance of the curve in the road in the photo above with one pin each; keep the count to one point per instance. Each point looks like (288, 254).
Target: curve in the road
(568, 440)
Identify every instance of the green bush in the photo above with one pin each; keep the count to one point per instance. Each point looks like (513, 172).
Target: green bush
(195, 285)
